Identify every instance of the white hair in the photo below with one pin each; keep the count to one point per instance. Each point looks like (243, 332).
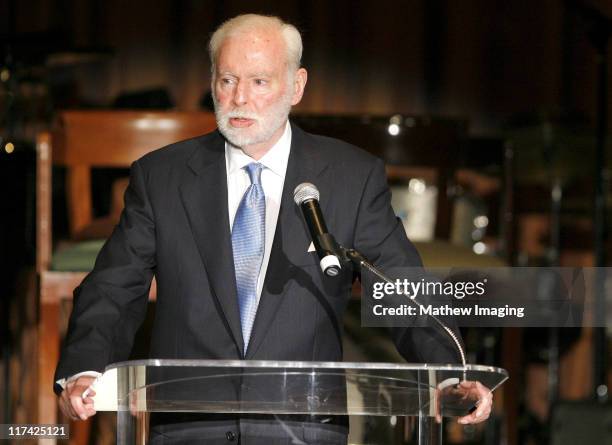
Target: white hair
(252, 22)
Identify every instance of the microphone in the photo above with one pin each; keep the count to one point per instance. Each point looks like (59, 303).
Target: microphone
(306, 196)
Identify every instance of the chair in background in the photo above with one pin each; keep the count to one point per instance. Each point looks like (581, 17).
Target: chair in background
(82, 141)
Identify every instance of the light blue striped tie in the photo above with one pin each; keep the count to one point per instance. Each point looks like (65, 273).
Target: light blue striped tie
(248, 237)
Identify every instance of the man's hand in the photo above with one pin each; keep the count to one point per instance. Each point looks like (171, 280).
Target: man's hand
(71, 400)
(484, 404)
(465, 393)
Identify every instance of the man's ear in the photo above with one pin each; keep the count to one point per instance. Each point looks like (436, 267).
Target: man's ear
(299, 83)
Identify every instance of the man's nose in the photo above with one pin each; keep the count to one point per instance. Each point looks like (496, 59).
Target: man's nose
(240, 94)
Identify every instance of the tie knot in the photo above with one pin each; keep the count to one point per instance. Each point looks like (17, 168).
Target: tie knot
(254, 170)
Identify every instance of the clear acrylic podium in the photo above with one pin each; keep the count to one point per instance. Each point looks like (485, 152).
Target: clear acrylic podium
(260, 401)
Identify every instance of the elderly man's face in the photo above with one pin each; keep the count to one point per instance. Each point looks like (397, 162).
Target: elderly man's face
(253, 89)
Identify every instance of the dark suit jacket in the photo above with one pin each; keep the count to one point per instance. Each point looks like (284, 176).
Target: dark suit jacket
(176, 226)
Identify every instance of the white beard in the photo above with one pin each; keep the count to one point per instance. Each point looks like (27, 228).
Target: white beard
(263, 128)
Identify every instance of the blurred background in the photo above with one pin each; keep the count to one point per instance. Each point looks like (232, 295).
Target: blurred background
(493, 117)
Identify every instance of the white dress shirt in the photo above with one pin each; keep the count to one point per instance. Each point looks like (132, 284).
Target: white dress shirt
(272, 180)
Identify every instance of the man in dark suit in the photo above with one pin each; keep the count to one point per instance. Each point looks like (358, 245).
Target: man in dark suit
(213, 219)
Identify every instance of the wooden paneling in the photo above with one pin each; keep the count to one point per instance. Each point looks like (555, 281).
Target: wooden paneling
(43, 201)
(117, 138)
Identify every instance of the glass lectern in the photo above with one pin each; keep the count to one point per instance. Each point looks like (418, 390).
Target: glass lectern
(267, 402)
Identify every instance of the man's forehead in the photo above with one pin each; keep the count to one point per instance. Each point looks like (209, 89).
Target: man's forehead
(257, 35)
(258, 53)
(254, 73)
(253, 41)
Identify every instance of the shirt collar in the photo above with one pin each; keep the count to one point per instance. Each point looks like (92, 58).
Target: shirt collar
(275, 159)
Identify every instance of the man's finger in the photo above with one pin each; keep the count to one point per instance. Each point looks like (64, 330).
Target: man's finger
(67, 408)
(482, 412)
(88, 404)
(65, 404)
(481, 389)
(71, 399)
(77, 404)
(475, 417)
(90, 391)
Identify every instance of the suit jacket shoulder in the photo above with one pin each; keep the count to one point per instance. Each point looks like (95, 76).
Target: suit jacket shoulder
(181, 152)
(336, 151)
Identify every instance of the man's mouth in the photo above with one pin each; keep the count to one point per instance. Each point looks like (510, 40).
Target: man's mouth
(241, 122)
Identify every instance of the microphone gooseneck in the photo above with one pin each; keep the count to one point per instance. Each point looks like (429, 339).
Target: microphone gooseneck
(362, 263)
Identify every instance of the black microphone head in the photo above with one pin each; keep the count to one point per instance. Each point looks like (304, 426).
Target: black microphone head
(305, 192)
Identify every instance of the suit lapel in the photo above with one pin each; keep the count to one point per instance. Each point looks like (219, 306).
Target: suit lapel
(291, 238)
(204, 196)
